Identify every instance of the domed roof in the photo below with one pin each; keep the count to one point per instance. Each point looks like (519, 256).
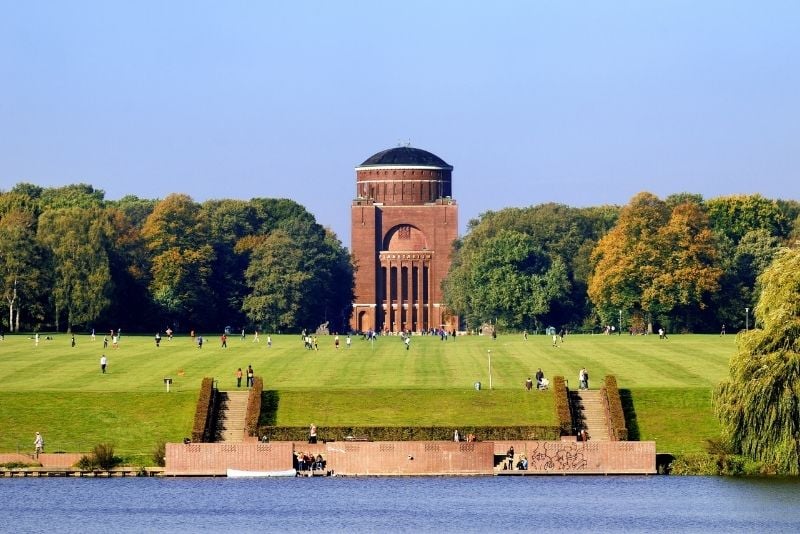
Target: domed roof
(406, 155)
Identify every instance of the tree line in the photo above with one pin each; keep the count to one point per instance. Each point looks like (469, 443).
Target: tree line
(70, 259)
(683, 263)
(73, 260)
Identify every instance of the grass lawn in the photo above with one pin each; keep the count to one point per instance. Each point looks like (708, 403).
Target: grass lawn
(59, 390)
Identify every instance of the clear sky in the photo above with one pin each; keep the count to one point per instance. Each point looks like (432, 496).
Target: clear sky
(583, 103)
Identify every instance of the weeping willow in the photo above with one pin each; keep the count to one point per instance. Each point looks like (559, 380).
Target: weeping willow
(759, 403)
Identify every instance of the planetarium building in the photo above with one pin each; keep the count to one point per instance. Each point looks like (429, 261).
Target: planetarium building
(404, 222)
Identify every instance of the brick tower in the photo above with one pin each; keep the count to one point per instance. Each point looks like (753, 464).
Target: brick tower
(404, 222)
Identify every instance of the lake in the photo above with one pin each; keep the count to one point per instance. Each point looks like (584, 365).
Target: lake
(414, 504)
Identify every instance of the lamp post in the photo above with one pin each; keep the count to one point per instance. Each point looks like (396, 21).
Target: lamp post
(490, 368)
(746, 319)
(620, 322)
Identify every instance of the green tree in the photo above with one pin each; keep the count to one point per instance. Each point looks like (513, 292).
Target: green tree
(181, 261)
(759, 403)
(510, 279)
(276, 278)
(77, 239)
(734, 216)
(21, 268)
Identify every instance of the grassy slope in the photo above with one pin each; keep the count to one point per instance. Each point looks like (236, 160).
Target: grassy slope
(59, 389)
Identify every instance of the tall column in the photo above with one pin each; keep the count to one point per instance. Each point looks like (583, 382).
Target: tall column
(387, 297)
(420, 300)
(400, 280)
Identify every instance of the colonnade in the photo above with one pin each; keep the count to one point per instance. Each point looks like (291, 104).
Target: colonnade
(405, 284)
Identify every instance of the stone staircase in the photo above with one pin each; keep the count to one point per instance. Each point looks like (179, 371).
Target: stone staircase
(231, 416)
(590, 414)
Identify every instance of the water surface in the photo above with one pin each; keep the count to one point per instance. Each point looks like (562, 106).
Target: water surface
(425, 504)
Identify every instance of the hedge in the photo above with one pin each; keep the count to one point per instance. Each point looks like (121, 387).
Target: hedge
(563, 413)
(411, 433)
(616, 415)
(253, 407)
(203, 411)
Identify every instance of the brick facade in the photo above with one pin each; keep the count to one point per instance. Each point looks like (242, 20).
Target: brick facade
(417, 457)
(404, 223)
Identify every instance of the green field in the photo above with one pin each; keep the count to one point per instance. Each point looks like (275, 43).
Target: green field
(59, 390)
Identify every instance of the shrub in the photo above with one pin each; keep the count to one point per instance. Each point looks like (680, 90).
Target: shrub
(563, 414)
(160, 454)
(18, 465)
(86, 463)
(202, 413)
(253, 407)
(103, 454)
(411, 433)
(616, 414)
(101, 457)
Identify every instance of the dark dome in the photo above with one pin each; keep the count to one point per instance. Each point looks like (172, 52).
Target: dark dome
(406, 155)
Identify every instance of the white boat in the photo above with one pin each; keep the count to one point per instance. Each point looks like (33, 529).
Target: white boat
(239, 473)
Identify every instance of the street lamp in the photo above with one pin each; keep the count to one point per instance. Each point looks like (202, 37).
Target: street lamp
(490, 368)
(620, 322)
(746, 319)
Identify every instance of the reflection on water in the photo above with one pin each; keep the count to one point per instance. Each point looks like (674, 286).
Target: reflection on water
(485, 504)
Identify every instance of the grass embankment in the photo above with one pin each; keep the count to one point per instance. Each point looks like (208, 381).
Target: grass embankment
(58, 389)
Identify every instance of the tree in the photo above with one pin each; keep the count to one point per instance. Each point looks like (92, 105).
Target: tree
(759, 403)
(734, 216)
(176, 235)
(628, 258)
(276, 279)
(656, 262)
(509, 279)
(689, 270)
(22, 277)
(77, 239)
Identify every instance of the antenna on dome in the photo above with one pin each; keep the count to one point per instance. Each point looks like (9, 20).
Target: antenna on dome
(408, 143)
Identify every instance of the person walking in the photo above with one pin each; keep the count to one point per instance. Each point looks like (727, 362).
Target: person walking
(407, 341)
(38, 445)
(312, 433)
(269, 341)
(103, 363)
(239, 377)
(250, 376)
(348, 341)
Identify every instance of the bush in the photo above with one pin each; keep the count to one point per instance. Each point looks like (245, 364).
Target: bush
(253, 407)
(202, 413)
(411, 433)
(18, 465)
(160, 454)
(101, 457)
(616, 414)
(563, 414)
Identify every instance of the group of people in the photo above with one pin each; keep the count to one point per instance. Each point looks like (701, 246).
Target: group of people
(522, 462)
(542, 383)
(250, 374)
(304, 462)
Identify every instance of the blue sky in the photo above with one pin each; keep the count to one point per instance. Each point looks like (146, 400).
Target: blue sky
(583, 103)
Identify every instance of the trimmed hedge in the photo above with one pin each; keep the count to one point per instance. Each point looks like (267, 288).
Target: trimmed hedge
(203, 411)
(616, 414)
(563, 413)
(411, 433)
(253, 407)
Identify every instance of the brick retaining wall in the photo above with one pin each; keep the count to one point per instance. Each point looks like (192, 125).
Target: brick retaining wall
(415, 457)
